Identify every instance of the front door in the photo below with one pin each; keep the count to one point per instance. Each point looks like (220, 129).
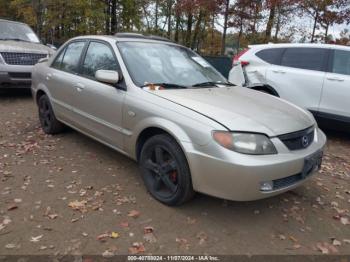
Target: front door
(97, 106)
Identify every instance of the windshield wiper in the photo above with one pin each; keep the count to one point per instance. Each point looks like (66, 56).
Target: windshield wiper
(167, 85)
(14, 39)
(212, 84)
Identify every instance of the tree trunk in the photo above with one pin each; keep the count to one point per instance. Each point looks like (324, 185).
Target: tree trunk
(223, 42)
(278, 25)
(170, 6)
(156, 16)
(108, 17)
(189, 29)
(326, 34)
(197, 28)
(177, 26)
(270, 22)
(314, 28)
(114, 17)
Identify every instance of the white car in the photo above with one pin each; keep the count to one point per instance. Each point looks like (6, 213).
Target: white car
(313, 76)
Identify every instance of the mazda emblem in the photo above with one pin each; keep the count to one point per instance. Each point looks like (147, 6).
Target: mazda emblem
(305, 141)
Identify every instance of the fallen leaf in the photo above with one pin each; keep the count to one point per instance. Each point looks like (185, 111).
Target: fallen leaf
(344, 220)
(78, 205)
(52, 216)
(107, 254)
(11, 246)
(346, 241)
(103, 237)
(322, 248)
(36, 239)
(293, 239)
(12, 207)
(114, 235)
(148, 229)
(134, 213)
(137, 248)
(336, 242)
(296, 246)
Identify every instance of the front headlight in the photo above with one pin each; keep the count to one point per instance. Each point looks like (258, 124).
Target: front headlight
(245, 143)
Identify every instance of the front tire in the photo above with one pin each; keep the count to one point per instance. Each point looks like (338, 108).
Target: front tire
(165, 170)
(48, 120)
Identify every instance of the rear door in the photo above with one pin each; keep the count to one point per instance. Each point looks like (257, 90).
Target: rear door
(299, 76)
(335, 100)
(61, 76)
(98, 106)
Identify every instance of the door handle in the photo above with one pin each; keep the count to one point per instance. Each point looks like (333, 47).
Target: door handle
(79, 87)
(335, 79)
(279, 71)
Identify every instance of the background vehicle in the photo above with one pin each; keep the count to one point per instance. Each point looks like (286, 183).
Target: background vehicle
(20, 49)
(313, 76)
(169, 109)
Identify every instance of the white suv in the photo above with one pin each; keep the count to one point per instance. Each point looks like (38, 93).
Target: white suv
(313, 76)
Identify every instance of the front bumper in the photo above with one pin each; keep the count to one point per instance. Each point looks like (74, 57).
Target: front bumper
(15, 76)
(238, 177)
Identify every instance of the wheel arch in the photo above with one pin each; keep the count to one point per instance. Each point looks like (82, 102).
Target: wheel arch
(39, 94)
(151, 131)
(267, 88)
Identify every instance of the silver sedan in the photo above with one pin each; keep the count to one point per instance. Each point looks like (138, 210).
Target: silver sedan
(188, 128)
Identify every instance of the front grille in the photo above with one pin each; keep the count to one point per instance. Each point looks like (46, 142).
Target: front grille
(20, 75)
(21, 58)
(298, 140)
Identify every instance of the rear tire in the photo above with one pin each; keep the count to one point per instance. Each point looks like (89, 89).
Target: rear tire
(165, 170)
(48, 120)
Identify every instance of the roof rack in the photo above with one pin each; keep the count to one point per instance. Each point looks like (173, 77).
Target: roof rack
(136, 35)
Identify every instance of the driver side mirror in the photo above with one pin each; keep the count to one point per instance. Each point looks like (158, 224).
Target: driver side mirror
(108, 76)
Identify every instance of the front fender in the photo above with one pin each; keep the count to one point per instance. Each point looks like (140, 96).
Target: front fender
(176, 131)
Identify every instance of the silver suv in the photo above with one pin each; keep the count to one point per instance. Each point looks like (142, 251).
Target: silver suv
(20, 50)
(188, 128)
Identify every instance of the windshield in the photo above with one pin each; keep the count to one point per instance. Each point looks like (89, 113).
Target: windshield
(153, 63)
(18, 32)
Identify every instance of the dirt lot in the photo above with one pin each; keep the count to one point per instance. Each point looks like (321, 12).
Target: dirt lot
(67, 194)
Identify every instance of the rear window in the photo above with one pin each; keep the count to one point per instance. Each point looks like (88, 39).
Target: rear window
(305, 58)
(271, 55)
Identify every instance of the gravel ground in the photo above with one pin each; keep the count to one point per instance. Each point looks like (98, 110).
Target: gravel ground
(68, 194)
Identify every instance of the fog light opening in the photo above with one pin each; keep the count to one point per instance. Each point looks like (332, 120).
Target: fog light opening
(266, 186)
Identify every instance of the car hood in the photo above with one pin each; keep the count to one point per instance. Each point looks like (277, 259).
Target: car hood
(242, 109)
(24, 47)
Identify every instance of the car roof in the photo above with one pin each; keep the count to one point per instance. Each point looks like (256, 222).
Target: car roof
(284, 45)
(128, 37)
(10, 21)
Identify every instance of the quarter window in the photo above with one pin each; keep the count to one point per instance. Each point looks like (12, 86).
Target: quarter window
(71, 57)
(341, 62)
(98, 57)
(305, 58)
(58, 60)
(271, 55)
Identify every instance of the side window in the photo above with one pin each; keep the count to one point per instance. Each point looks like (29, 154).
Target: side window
(70, 62)
(271, 55)
(58, 60)
(305, 58)
(98, 57)
(341, 62)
